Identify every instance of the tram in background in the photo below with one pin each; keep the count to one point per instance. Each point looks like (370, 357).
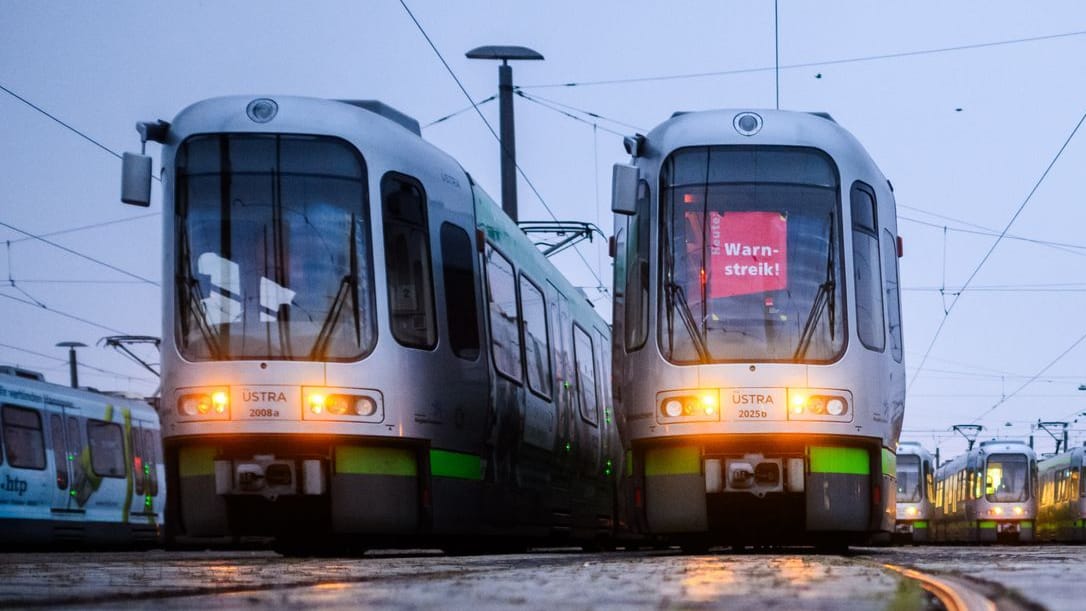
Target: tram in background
(359, 345)
(1061, 497)
(988, 494)
(757, 331)
(915, 491)
(78, 468)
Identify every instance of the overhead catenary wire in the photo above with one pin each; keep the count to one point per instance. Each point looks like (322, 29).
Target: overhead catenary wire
(81, 255)
(987, 255)
(39, 305)
(493, 133)
(1003, 400)
(116, 374)
(459, 112)
(812, 64)
(569, 114)
(65, 125)
(86, 227)
(1075, 249)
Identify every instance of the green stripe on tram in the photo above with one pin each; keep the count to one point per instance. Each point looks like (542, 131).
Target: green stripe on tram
(673, 461)
(444, 463)
(359, 460)
(920, 524)
(889, 463)
(849, 461)
(195, 461)
(987, 524)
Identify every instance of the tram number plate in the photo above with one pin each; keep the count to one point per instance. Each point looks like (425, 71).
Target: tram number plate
(753, 404)
(269, 403)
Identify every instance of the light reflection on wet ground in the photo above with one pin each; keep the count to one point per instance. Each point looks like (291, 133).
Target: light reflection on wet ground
(541, 581)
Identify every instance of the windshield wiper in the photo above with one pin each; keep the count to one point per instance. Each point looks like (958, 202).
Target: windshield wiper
(193, 301)
(677, 296)
(825, 299)
(348, 287)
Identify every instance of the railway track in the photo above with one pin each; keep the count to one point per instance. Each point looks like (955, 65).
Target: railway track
(870, 579)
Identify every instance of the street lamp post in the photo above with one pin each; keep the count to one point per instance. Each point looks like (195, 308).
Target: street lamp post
(505, 106)
(71, 346)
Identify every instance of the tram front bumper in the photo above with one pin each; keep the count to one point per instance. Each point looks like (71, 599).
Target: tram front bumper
(266, 475)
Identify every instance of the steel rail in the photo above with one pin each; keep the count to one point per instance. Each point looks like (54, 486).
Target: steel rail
(954, 595)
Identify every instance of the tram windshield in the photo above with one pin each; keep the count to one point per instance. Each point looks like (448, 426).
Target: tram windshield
(908, 479)
(272, 249)
(1007, 478)
(752, 257)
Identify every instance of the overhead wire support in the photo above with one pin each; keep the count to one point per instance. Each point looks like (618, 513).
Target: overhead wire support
(569, 232)
(568, 114)
(1002, 234)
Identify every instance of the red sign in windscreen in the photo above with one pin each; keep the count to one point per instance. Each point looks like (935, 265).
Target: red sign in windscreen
(748, 253)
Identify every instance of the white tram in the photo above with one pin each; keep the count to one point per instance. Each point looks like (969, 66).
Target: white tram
(77, 467)
(360, 345)
(988, 494)
(915, 492)
(757, 330)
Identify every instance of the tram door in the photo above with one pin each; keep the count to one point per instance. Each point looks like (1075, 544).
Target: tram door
(63, 456)
(562, 327)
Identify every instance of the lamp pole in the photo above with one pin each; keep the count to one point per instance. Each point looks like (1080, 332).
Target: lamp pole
(505, 110)
(72, 370)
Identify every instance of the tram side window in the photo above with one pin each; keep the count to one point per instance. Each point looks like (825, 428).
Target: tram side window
(585, 361)
(891, 288)
(504, 334)
(461, 311)
(867, 268)
(106, 448)
(637, 272)
(60, 450)
(24, 441)
(536, 342)
(407, 260)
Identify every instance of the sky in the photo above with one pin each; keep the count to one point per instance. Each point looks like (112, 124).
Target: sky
(970, 108)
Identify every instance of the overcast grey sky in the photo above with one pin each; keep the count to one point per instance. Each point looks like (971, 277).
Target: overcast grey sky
(964, 132)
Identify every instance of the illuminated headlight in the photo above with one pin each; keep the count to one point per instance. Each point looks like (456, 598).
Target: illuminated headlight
(694, 407)
(1018, 511)
(323, 404)
(995, 511)
(212, 405)
(911, 511)
(814, 405)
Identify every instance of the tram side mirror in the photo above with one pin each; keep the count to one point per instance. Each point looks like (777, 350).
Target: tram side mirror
(624, 189)
(136, 180)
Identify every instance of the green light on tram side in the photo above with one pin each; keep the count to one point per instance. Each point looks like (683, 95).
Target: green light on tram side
(569, 446)
(71, 493)
(608, 470)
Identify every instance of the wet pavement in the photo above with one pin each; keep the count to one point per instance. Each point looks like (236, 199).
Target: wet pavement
(1017, 577)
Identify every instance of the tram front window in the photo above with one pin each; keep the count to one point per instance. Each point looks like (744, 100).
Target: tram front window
(1007, 478)
(908, 479)
(752, 258)
(272, 249)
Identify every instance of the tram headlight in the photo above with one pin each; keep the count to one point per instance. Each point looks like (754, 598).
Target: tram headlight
(805, 404)
(911, 511)
(210, 405)
(694, 407)
(995, 511)
(1018, 511)
(329, 404)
